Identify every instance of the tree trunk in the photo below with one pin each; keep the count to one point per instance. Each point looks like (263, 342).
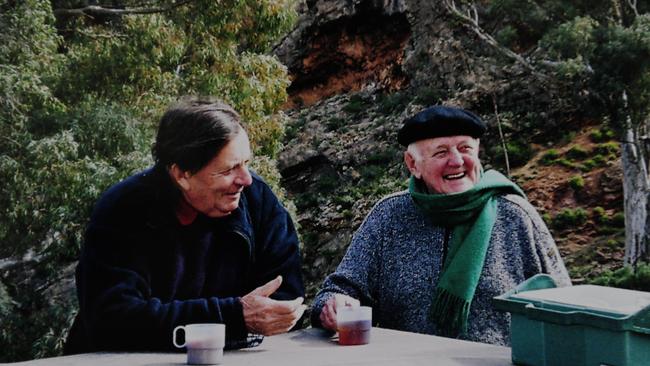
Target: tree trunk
(636, 196)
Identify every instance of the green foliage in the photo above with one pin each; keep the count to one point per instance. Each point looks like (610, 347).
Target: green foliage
(569, 218)
(572, 39)
(327, 182)
(291, 130)
(356, 104)
(28, 64)
(601, 135)
(430, 95)
(507, 36)
(566, 163)
(519, 153)
(526, 19)
(577, 182)
(611, 57)
(596, 161)
(608, 148)
(204, 48)
(599, 215)
(618, 219)
(335, 123)
(598, 49)
(577, 152)
(36, 329)
(389, 103)
(636, 278)
(550, 156)
(135, 61)
(55, 179)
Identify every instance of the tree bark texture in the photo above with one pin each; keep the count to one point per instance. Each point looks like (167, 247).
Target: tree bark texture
(636, 197)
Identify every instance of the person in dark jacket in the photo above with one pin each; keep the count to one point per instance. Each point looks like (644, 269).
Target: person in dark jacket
(197, 238)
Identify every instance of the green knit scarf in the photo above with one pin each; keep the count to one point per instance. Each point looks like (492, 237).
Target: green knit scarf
(471, 214)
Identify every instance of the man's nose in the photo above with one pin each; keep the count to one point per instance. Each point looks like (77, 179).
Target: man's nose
(244, 177)
(455, 158)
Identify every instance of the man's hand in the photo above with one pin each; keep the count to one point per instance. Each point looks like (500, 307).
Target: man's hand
(266, 316)
(328, 314)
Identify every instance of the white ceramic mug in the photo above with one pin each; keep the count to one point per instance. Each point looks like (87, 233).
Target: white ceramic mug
(204, 342)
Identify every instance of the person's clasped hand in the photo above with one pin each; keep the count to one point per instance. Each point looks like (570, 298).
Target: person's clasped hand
(328, 314)
(267, 316)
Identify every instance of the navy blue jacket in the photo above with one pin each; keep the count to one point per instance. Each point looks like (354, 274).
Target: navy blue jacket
(141, 273)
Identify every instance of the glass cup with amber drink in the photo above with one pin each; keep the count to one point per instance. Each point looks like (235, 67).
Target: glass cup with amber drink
(354, 324)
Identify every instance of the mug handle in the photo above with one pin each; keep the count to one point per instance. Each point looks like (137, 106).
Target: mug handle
(174, 336)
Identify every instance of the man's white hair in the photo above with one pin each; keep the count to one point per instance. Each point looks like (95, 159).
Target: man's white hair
(414, 150)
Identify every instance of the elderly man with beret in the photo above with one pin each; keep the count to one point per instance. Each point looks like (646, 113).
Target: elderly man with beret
(430, 259)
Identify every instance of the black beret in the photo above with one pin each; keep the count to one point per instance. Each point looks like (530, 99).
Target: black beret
(440, 121)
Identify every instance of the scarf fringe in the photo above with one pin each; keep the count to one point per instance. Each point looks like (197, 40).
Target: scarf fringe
(450, 313)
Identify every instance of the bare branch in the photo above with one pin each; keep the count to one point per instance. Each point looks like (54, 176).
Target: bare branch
(632, 4)
(470, 20)
(91, 10)
(503, 140)
(91, 35)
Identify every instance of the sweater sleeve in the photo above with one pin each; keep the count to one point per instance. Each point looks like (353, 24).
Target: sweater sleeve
(548, 252)
(547, 255)
(357, 273)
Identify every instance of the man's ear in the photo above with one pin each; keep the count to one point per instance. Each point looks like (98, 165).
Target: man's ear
(409, 160)
(179, 176)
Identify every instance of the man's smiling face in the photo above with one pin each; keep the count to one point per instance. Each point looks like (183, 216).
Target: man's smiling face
(445, 164)
(215, 190)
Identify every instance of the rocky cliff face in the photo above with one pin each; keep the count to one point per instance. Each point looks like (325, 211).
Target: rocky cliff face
(343, 46)
(358, 69)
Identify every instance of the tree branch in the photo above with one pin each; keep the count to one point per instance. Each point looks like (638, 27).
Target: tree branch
(470, 20)
(503, 140)
(632, 4)
(92, 10)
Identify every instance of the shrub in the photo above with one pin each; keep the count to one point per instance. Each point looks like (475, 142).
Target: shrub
(599, 215)
(327, 183)
(569, 217)
(335, 123)
(596, 135)
(389, 103)
(550, 156)
(626, 277)
(577, 152)
(577, 182)
(607, 148)
(519, 153)
(601, 135)
(356, 104)
(430, 95)
(618, 219)
(507, 35)
(566, 163)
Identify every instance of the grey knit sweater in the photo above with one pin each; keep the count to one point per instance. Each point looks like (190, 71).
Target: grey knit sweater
(394, 261)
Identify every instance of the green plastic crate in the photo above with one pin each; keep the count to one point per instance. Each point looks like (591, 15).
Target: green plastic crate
(582, 325)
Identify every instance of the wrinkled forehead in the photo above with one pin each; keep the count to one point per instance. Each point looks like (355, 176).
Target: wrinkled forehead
(446, 142)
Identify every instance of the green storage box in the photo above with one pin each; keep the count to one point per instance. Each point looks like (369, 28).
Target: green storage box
(583, 325)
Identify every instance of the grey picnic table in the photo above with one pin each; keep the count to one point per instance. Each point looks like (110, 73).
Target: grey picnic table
(313, 347)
